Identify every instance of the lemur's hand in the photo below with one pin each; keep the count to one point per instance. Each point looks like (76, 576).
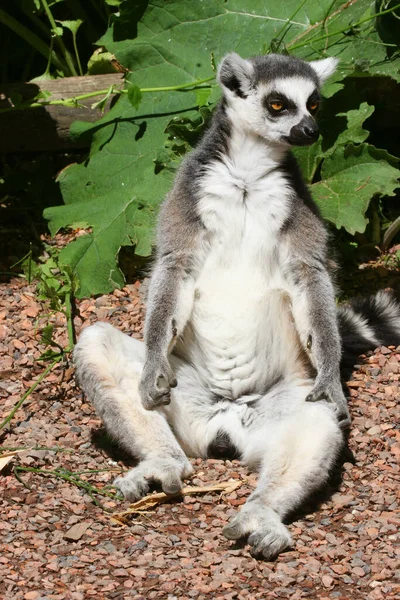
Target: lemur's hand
(331, 391)
(156, 383)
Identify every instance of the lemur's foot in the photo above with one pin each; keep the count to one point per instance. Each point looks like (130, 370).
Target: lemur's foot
(169, 472)
(266, 533)
(333, 394)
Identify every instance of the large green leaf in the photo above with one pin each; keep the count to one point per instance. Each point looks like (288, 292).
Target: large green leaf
(354, 131)
(351, 176)
(310, 158)
(115, 192)
(118, 189)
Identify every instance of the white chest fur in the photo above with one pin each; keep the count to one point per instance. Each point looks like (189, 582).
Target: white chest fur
(244, 198)
(240, 298)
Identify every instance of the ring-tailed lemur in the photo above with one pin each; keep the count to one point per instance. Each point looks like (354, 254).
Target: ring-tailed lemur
(242, 347)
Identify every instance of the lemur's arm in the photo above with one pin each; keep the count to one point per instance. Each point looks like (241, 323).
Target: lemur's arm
(170, 299)
(314, 307)
(169, 304)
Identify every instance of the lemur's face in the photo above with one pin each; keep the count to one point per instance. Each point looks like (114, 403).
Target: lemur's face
(288, 110)
(276, 97)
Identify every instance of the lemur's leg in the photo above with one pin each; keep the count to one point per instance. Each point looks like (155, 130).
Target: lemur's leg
(108, 365)
(296, 453)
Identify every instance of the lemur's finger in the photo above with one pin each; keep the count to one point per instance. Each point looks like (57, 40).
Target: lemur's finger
(164, 381)
(344, 421)
(171, 483)
(318, 396)
(162, 397)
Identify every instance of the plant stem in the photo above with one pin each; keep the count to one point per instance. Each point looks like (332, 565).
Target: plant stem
(390, 232)
(78, 60)
(73, 102)
(47, 71)
(69, 476)
(79, 10)
(30, 38)
(172, 88)
(282, 30)
(349, 27)
(29, 391)
(59, 39)
(327, 14)
(21, 260)
(51, 448)
(70, 322)
(37, 22)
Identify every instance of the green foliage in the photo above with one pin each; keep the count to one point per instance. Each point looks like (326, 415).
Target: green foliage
(56, 283)
(40, 38)
(134, 96)
(350, 177)
(137, 146)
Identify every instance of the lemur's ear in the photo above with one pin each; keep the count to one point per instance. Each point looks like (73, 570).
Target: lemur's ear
(324, 68)
(235, 74)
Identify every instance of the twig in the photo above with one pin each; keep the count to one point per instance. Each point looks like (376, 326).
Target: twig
(153, 500)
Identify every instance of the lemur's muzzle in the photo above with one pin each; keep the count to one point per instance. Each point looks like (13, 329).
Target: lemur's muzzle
(304, 133)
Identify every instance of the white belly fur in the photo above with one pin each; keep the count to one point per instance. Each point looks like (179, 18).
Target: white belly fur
(240, 334)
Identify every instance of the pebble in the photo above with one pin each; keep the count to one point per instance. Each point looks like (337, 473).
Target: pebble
(76, 532)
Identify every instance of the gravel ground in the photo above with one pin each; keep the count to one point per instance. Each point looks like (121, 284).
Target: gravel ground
(57, 543)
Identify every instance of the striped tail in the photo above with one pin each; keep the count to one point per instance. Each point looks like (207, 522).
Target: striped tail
(366, 323)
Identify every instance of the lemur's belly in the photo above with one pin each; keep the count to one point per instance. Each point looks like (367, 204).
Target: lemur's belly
(241, 334)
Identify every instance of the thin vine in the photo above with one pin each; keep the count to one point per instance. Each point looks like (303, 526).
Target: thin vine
(75, 100)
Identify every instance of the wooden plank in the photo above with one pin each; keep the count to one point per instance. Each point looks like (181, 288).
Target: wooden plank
(47, 128)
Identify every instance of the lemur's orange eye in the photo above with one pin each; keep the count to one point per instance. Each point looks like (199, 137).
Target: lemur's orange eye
(278, 106)
(313, 106)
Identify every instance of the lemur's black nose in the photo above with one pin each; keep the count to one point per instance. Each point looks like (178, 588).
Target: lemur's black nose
(311, 131)
(308, 128)
(304, 133)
